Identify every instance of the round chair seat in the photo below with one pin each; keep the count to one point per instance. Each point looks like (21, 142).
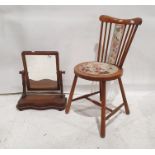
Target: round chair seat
(97, 71)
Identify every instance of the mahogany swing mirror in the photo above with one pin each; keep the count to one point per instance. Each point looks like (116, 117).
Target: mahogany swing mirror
(42, 81)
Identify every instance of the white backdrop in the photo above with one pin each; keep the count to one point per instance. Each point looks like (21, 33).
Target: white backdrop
(74, 32)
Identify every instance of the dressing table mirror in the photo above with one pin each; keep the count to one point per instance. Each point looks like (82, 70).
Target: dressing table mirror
(42, 81)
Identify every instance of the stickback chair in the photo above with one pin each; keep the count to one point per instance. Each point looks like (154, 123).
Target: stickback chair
(116, 36)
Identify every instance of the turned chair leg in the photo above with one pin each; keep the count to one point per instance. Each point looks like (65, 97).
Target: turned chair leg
(100, 90)
(103, 108)
(123, 96)
(71, 95)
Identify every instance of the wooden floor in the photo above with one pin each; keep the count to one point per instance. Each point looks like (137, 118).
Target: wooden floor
(80, 128)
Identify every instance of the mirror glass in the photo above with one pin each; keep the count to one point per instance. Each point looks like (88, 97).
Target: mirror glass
(42, 71)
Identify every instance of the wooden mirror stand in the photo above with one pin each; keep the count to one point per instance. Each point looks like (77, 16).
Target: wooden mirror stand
(42, 81)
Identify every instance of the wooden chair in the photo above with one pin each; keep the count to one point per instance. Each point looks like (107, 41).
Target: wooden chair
(116, 36)
(41, 91)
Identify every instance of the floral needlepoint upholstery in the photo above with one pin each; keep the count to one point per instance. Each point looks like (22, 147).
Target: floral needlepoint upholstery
(115, 44)
(96, 68)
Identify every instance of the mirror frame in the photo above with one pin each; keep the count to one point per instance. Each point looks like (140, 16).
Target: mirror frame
(53, 53)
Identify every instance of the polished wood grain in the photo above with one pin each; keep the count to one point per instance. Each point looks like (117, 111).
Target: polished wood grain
(42, 94)
(123, 96)
(109, 19)
(42, 102)
(43, 84)
(71, 94)
(108, 25)
(103, 108)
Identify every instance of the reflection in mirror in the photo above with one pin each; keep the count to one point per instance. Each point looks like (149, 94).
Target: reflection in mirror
(42, 71)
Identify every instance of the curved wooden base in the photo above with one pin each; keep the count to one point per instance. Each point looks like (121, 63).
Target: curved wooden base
(42, 102)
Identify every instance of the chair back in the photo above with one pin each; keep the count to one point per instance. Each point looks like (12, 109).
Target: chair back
(116, 36)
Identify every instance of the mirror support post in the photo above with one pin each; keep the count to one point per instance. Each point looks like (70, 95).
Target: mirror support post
(61, 81)
(23, 83)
